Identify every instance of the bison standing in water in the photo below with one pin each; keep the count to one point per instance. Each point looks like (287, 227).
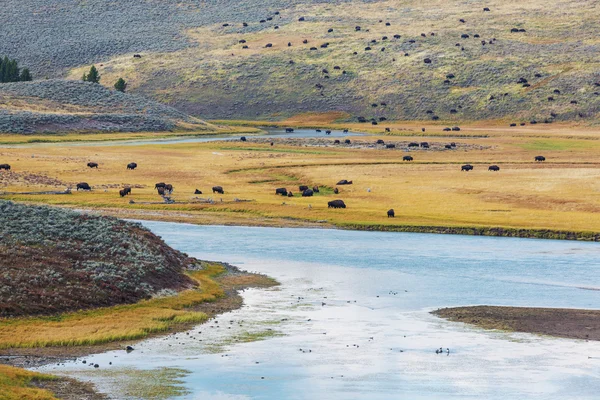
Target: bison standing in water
(494, 168)
(289, 130)
(5, 166)
(540, 158)
(336, 204)
(92, 165)
(391, 213)
(281, 191)
(218, 189)
(467, 167)
(132, 166)
(83, 186)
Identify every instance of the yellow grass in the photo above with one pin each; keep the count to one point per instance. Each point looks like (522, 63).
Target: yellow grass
(14, 384)
(104, 325)
(560, 194)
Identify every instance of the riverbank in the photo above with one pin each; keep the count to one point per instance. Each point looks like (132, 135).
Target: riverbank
(558, 322)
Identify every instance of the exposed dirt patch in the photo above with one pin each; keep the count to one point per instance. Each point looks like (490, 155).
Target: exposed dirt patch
(560, 322)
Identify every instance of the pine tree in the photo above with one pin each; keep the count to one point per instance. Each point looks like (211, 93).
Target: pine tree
(92, 76)
(121, 85)
(25, 75)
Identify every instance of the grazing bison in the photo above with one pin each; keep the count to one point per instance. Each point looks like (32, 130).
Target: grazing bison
(336, 191)
(448, 147)
(336, 141)
(289, 130)
(456, 129)
(302, 188)
(5, 166)
(336, 204)
(344, 182)
(315, 189)
(425, 145)
(218, 189)
(413, 144)
(466, 167)
(347, 141)
(391, 213)
(122, 192)
(243, 138)
(132, 166)
(281, 191)
(540, 158)
(92, 165)
(160, 185)
(407, 158)
(83, 186)
(307, 193)
(197, 191)
(390, 146)
(127, 190)
(494, 168)
(290, 194)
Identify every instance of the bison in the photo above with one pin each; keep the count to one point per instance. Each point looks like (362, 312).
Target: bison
(466, 167)
(425, 145)
(290, 194)
(391, 213)
(243, 138)
(302, 188)
(218, 189)
(160, 185)
(494, 168)
(413, 144)
(336, 141)
(92, 165)
(307, 193)
(336, 204)
(83, 186)
(347, 141)
(197, 191)
(123, 192)
(390, 146)
(281, 191)
(161, 191)
(328, 132)
(132, 166)
(344, 182)
(169, 188)
(127, 190)
(5, 166)
(407, 158)
(289, 130)
(336, 191)
(540, 158)
(315, 189)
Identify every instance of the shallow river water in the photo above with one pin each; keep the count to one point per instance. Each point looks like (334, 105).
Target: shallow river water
(351, 320)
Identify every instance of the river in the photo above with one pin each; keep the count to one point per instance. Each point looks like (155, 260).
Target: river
(351, 320)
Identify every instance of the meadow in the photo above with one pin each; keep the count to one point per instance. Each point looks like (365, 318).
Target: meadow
(556, 198)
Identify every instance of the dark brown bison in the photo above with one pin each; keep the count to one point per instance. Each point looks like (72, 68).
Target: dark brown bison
(413, 144)
(307, 193)
(160, 185)
(390, 146)
(407, 158)
(336, 204)
(540, 158)
(391, 213)
(347, 141)
(456, 129)
(132, 166)
(243, 138)
(336, 141)
(122, 192)
(169, 188)
(449, 147)
(494, 168)
(127, 190)
(83, 186)
(161, 191)
(289, 130)
(466, 167)
(218, 189)
(302, 188)
(5, 166)
(137, 56)
(328, 132)
(92, 165)
(425, 145)
(345, 130)
(315, 189)
(336, 191)
(344, 182)
(198, 191)
(281, 191)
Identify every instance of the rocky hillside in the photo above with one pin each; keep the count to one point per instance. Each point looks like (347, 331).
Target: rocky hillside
(396, 59)
(63, 106)
(54, 260)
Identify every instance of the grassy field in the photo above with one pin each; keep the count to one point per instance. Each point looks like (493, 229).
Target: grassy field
(15, 384)
(215, 77)
(428, 194)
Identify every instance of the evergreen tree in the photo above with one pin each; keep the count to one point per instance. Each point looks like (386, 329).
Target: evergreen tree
(92, 76)
(25, 75)
(121, 85)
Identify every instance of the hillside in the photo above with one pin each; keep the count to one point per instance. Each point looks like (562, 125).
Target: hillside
(192, 61)
(74, 106)
(54, 260)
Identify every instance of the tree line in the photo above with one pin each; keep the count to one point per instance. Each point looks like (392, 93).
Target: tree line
(10, 71)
